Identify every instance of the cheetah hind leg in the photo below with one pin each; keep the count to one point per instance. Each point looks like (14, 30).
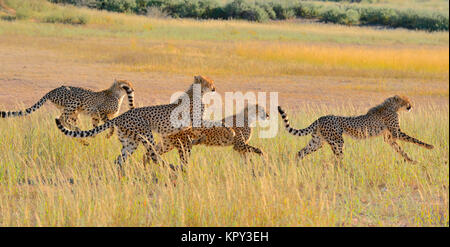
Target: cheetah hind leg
(71, 122)
(111, 132)
(315, 144)
(129, 145)
(95, 122)
(337, 146)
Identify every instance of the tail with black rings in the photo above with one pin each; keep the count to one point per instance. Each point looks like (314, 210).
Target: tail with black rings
(83, 134)
(130, 95)
(28, 111)
(296, 132)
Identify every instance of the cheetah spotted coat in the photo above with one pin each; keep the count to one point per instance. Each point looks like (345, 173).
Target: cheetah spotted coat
(102, 105)
(135, 126)
(379, 120)
(211, 135)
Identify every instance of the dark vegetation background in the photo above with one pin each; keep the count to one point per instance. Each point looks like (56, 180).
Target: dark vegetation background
(346, 12)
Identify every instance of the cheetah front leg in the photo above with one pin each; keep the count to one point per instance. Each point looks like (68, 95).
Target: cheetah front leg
(391, 141)
(404, 137)
(244, 148)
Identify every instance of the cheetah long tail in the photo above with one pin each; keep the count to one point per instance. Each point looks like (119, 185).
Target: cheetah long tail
(7, 114)
(87, 133)
(130, 95)
(296, 132)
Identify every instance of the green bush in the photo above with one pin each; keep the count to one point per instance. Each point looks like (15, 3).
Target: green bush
(308, 10)
(352, 17)
(216, 13)
(116, 5)
(341, 16)
(333, 15)
(379, 16)
(424, 21)
(269, 10)
(240, 9)
(283, 12)
(410, 19)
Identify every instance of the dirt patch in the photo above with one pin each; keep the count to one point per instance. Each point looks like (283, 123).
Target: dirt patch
(26, 74)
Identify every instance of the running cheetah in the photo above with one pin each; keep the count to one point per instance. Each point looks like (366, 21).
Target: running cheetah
(210, 135)
(102, 105)
(135, 126)
(379, 120)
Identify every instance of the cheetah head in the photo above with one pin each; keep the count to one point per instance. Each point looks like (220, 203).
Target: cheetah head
(207, 84)
(124, 85)
(402, 103)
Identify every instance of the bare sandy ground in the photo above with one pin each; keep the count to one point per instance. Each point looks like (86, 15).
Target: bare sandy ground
(26, 74)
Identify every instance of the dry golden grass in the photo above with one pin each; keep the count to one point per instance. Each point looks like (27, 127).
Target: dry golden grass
(426, 62)
(47, 179)
(251, 58)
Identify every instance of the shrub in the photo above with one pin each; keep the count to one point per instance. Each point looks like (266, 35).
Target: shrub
(269, 10)
(217, 13)
(307, 10)
(333, 15)
(283, 12)
(116, 5)
(378, 16)
(424, 21)
(341, 16)
(351, 17)
(240, 9)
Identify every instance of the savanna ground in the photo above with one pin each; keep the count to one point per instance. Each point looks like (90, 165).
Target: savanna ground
(47, 179)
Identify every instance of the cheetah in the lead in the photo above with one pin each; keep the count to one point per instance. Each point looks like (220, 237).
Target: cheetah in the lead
(102, 105)
(379, 120)
(135, 126)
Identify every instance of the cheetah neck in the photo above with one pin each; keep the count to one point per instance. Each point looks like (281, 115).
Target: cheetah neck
(114, 92)
(196, 106)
